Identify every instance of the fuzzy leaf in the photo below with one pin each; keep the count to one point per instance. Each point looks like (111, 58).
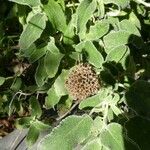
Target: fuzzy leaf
(59, 84)
(117, 53)
(90, 102)
(41, 74)
(56, 15)
(52, 59)
(94, 56)
(32, 31)
(98, 30)
(128, 26)
(52, 99)
(69, 35)
(71, 131)
(37, 54)
(84, 13)
(112, 137)
(30, 3)
(116, 39)
(93, 145)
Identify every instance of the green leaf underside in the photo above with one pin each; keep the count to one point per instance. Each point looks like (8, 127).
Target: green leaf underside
(33, 30)
(71, 131)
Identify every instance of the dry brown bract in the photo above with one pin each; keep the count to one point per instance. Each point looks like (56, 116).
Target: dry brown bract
(82, 82)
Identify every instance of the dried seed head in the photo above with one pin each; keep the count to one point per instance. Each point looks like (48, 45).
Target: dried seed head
(82, 81)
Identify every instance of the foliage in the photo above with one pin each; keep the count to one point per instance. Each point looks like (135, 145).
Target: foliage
(41, 40)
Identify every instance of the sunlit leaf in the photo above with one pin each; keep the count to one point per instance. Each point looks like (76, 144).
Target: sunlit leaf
(55, 15)
(30, 3)
(84, 13)
(71, 131)
(94, 56)
(33, 30)
(98, 30)
(52, 99)
(59, 84)
(41, 74)
(52, 59)
(116, 39)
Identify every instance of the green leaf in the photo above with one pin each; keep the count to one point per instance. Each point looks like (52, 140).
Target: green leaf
(138, 130)
(98, 30)
(90, 101)
(56, 15)
(24, 122)
(93, 145)
(84, 13)
(94, 56)
(40, 125)
(41, 74)
(35, 107)
(138, 98)
(128, 26)
(134, 19)
(72, 131)
(16, 85)
(112, 137)
(52, 59)
(28, 52)
(116, 54)
(116, 39)
(37, 54)
(69, 35)
(32, 135)
(31, 3)
(33, 30)
(52, 99)
(2, 80)
(59, 84)
(98, 126)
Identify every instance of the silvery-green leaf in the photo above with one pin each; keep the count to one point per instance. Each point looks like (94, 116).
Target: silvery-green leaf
(72, 131)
